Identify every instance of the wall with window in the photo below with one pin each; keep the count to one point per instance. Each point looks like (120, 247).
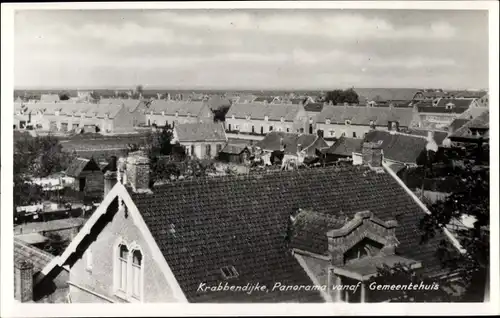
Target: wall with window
(203, 150)
(118, 266)
(351, 131)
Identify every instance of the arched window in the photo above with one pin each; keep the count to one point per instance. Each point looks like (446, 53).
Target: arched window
(122, 267)
(137, 274)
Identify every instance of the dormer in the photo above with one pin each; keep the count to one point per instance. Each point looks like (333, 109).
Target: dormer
(347, 122)
(372, 124)
(57, 112)
(328, 121)
(450, 106)
(188, 114)
(247, 117)
(266, 118)
(106, 115)
(282, 119)
(163, 113)
(176, 114)
(232, 116)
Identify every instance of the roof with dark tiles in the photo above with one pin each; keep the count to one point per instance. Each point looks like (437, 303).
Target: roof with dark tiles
(275, 140)
(398, 147)
(479, 123)
(78, 165)
(242, 221)
(200, 132)
(314, 107)
(362, 115)
(345, 146)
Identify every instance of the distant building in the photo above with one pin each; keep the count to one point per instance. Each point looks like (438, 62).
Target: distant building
(234, 153)
(260, 118)
(342, 150)
(201, 140)
(356, 121)
(66, 228)
(49, 98)
(86, 174)
(136, 107)
(164, 112)
(442, 112)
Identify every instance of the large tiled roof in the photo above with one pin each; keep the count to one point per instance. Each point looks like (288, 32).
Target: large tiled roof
(130, 104)
(76, 109)
(458, 102)
(273, 141)
(398, 147)
(182, 108)
(259, 111)
(361, 115)
(200, 132)
(202, 225)
(345, 146)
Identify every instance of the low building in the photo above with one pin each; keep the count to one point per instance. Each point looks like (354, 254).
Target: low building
(201, 140)
(136, 107)
(31, 283)
(234, 153)
(342, 150)
(65, 117)
(259, 118)
(441, 112)
(313, 227)
(356, 121)
(292, 145)
(170, 112)
(473, 131)
(86, 174)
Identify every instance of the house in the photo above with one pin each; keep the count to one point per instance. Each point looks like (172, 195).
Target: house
(342, 149)
(356, 121)
(442, 111)
(136, 107)
(382, 97)
(86, 174)
(49, 98)
(165, 112)
(191, 240)
(201, 140)
(259, 118)
(64, 117)
(30, 284)
(234, 153)
(474, 131)
(291, 145)
(397, 148)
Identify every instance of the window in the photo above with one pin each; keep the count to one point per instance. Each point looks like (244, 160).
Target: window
(208, 150)
(229, 127)
(347, 122)
(353, 134)
(332, 133)
(192, 151)
(288, 130)
(229, 272)
(88, 258)
(253, 129)
(136, 273)
(270, 128)
(219, 148)
(280, 129)
(122, 267)
(236, 127)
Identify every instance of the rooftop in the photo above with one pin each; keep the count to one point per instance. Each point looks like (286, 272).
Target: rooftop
(362, 115)
(200, 132)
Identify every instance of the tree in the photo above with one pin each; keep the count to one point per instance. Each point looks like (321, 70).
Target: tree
(36, 157)
(138, 92)
(64, 96)
(338, 96)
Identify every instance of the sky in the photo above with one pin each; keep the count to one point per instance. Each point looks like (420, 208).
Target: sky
(251, 49)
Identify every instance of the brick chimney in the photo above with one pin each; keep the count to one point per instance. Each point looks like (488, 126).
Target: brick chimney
(138, 172)
(372, 154)
(23, 281)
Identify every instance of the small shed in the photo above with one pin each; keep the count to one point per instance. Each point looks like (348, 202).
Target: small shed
(234, 153)
(87, 175)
